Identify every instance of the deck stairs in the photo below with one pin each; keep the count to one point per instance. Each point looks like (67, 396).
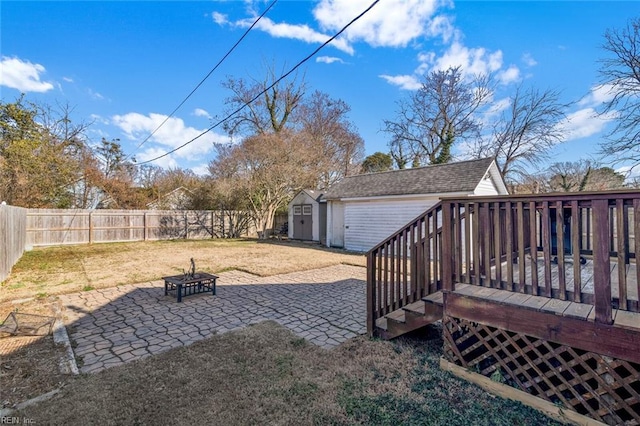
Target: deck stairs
(411, 317)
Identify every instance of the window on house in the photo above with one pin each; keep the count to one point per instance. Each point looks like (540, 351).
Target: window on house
(297, 210)
(306, 210)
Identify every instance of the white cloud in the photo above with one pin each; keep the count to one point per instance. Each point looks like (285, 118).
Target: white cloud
(201, 169)
(389, 23)
(99, 119)
(328, 60)
(297, 32)
(597, 95)
(172, 134)
(199, 112)
(510, 75)
(473, 61)
(23, 75)
(95, 95)
(405, 82)
(584, 123)
(167, 162)
(631, 173)
(528, 60)
(68, 79)
(219, 18)
(494, 110)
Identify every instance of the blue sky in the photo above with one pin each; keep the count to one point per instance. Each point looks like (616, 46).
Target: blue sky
(126, 65)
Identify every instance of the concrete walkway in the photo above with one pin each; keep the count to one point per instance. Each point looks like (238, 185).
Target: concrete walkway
(116, 325)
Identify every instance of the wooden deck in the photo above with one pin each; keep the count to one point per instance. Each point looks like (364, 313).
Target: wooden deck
(565, 330)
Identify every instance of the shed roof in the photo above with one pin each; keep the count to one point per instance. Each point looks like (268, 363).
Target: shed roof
(462, 176)
(313, 193)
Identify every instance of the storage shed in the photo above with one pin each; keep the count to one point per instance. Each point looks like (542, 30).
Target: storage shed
(308, 216)
(365, 209)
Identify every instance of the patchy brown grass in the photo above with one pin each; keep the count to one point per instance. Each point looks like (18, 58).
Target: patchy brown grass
(264, 374)
(29, 366)
(65, 269)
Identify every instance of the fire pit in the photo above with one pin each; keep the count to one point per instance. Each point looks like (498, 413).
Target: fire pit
(190, 283)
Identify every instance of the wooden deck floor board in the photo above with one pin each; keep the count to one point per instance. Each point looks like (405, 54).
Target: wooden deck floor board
(586, 276)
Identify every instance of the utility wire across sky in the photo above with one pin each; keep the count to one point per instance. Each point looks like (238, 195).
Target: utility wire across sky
(206, 77)
(282, 77)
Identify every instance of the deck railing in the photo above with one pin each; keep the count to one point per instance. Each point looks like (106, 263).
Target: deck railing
(406, 266)
(578, 247)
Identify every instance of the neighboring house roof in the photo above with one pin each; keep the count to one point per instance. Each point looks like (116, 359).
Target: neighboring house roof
(462, 176)
(172, 200)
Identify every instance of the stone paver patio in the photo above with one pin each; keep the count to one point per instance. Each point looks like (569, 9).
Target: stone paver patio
(116, 325)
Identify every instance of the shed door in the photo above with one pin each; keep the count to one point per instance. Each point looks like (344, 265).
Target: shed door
(302, 223)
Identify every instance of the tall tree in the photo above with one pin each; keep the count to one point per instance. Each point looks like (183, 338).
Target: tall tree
(583, 175)
(263, 113)
(377, 162)
(38, 164)
(525, 133)
(620, 74)
(266, 169)
(117, 178)
(338, 147)
(436, 116)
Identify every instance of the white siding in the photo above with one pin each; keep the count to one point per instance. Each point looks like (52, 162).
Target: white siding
(486, 187)
(369, 222)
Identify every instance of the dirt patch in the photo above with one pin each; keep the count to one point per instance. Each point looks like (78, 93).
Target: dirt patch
(56, 270)
(264, 374)
(29, 365)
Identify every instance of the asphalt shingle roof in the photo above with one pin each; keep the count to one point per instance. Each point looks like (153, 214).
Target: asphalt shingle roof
(462, 176)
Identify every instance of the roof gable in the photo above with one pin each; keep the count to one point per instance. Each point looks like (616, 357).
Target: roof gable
(462, 176)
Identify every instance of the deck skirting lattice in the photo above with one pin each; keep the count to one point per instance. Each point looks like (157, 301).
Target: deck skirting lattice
(598, 386)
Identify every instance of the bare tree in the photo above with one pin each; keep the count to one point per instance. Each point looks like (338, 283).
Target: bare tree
(266, 169)
(269, 112)
(525, 133)
(583, 175)
(339, 149)
(436, 116)
(620, 73)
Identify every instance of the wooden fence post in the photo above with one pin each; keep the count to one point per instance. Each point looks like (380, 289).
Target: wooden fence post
(145, 232)
(601, 266)
(90, 227)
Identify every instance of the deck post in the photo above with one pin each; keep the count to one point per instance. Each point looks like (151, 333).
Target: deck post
(447, 247)
(601, 266)
(371, 292)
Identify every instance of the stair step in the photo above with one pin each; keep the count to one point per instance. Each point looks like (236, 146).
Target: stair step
(397, 316)
(434, 298)
(382, 324)
(416, 308)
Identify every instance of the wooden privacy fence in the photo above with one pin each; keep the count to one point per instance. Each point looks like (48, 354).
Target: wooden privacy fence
(13, 225)
(47, 227)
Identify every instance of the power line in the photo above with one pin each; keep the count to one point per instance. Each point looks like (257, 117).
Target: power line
(207, 76)
(285, 75)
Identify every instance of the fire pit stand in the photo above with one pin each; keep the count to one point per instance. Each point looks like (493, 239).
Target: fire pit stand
(188, 284)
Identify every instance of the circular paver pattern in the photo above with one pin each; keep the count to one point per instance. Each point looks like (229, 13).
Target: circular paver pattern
(112, 326)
